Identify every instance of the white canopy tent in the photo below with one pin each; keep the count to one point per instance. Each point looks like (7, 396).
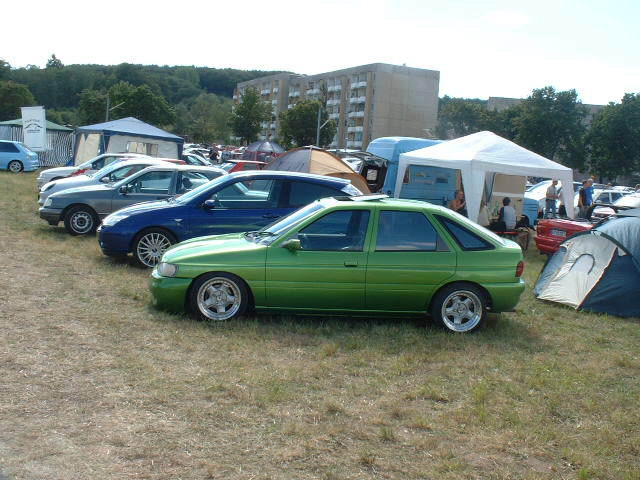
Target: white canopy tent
(485, 152)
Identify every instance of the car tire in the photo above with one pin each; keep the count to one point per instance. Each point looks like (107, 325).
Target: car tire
(81, 220)
(150, 244)
(15, 166)
(218, 297)
(460, 307)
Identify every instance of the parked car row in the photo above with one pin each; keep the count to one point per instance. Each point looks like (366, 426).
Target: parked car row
(223, 243)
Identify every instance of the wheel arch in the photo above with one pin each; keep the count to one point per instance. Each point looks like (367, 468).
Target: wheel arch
(461, 283)
(252, 301)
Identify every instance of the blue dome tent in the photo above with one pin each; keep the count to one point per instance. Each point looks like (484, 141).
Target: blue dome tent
(597, 270)
(125, 135)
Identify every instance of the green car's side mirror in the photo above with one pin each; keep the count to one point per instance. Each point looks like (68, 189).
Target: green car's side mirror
(292, 245)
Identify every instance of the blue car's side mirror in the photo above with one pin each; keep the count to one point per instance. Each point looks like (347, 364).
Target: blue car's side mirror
(209, 204)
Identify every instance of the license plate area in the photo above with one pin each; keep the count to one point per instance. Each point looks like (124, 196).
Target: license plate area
(558, 233)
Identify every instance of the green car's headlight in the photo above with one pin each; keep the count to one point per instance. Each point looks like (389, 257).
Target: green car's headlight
(167, 269)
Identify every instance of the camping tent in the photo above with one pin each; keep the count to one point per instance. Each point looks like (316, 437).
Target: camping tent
(261, 149)
(126, 135)
(59, 141)
(315, 160)
(479, 154)
(597, 270)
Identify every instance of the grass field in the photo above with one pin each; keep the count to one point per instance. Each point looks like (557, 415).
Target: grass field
(97, 385)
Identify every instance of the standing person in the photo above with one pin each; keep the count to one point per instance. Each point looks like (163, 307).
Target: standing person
(551, 199)
(582, 200)
(589, 192)
(458, 203)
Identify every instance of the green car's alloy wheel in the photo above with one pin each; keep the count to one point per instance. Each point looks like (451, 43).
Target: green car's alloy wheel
(459, 308)
(219, 297)
(150, 245)
(81, 220)
(15, 166)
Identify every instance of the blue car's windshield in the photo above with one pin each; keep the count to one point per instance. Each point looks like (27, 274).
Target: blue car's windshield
(187, 197)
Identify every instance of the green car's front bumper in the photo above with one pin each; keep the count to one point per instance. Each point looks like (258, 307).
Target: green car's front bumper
(169, 293)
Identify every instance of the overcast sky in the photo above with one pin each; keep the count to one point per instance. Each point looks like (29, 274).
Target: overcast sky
(481, 48)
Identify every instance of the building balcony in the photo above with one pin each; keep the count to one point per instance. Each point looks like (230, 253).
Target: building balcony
(264, 124)
(273, 124)
(333, 101)
(334, 116)
(291, 105)
(354, 143)
(265, 91)
(353, 100)
(361, 84)
(355, 129)
(274, 102)
(355, 115)
(294, 93)
(334, 88)
(276, 90)
(313, 91)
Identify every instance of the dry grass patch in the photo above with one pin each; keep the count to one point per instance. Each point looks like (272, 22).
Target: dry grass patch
(97, 384)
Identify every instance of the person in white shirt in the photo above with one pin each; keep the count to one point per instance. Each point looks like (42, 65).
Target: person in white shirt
(550, 199)
(507, 214)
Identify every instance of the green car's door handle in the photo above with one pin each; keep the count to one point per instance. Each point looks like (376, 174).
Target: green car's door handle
(350, 263)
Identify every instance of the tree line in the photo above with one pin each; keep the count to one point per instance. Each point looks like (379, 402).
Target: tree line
(556, 125)
(188, 100)
(196, 101)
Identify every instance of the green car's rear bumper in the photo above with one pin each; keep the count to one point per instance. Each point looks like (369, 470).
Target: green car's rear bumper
(504, 296)
(169, 293)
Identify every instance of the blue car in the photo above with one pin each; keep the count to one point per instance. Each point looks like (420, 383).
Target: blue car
(16, 158)
(239, 202)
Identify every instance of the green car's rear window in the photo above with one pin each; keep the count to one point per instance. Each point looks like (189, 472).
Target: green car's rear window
(465, 238)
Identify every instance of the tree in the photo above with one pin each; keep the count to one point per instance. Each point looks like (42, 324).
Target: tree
(247, 116)
(552, 124)
(54, 62)
(460, 116)
(614, 138)
(210, 116)
(5, 69)
(12, 97)
(92, 107)
(300, 123)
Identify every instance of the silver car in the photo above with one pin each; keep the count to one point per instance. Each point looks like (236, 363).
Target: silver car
(82, 208)
(90, 166)
(110, 174)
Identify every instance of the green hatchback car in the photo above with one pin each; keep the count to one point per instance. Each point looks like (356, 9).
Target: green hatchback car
(360, 255)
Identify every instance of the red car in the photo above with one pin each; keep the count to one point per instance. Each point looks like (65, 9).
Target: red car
(551, 232)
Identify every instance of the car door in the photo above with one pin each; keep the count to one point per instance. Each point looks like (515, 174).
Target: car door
(240, 206)
(328, 272)
(407, 261)
(154, 185)
(8, 152)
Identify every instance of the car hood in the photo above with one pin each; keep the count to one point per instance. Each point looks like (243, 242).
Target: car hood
(145, 207)
(69, 182)
(82, 191)
(58, 170)
(195, 249)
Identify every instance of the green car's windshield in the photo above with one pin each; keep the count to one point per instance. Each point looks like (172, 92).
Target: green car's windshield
(187, 197)
(268, 234)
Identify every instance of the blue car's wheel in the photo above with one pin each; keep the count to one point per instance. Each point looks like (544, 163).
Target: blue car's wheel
(219, 297)
(15, 166)
(150, 245)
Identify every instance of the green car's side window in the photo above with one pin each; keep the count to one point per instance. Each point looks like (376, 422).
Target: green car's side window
(466, 239)
(342, 230)
(407, 232)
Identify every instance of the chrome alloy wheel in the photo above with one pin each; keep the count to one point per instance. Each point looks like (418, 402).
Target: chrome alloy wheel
(461, 311)
(151, 247)
(81, 222)
(219, 299)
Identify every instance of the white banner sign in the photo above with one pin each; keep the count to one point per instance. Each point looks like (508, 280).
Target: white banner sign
(34, 128)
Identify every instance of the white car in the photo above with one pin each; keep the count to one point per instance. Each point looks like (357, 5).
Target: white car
(90, 166)
(112, 173)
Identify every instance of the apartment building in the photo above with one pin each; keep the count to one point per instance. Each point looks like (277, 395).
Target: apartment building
(367, 102)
